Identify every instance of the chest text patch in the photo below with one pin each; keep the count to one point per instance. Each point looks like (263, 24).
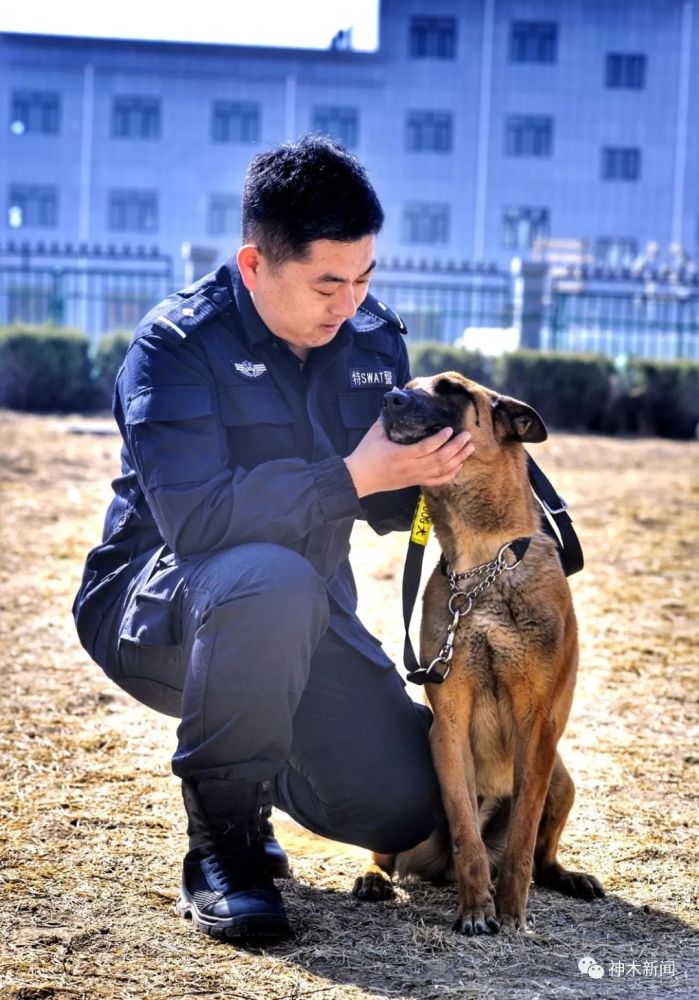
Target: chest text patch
(366, 378)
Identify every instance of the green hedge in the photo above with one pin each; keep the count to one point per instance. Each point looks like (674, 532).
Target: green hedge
(44, 369)
(665, 395)
(52, 369)
(429, 357)
(109, 354)
(568, 390)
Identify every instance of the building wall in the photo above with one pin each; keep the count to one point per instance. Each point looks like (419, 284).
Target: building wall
(481, 87)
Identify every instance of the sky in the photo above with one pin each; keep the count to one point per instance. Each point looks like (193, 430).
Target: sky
(293, 23)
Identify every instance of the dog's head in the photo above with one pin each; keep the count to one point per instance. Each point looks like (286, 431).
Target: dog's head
(451, 400)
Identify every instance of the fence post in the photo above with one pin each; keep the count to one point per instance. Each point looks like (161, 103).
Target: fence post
(57, 299)
(528, 292)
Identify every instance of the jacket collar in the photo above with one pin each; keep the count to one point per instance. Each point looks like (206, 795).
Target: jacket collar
(252, 326)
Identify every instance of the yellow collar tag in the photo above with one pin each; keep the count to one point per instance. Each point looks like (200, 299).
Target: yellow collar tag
(422, 523)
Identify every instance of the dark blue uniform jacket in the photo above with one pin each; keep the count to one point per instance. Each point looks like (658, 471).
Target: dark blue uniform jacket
(228, 439)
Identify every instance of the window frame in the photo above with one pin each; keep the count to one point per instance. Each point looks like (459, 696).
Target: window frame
(533, 46)
(136, 117)
(440, 220)
(622, 73)
(543, 225)
(433, 37)
(216, 208)
(139, 204)
(229, 116)
(541, 128)
(437, 127)
(337, 112)
(616, 161)
(44, 103)
(42, 199)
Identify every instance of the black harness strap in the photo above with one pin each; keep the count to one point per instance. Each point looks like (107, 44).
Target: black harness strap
(412, 570)
(555, 521)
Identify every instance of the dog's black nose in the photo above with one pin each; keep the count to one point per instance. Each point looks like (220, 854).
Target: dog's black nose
(395, 400)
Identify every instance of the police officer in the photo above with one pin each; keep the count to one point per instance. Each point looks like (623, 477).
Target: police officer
(221, 593)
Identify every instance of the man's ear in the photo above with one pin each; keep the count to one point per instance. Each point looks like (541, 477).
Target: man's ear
(517, 421)
(248, 258)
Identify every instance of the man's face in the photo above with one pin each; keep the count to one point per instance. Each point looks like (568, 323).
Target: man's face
(305, 302)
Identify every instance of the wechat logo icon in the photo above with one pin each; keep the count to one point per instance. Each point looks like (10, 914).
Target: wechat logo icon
(589, 967)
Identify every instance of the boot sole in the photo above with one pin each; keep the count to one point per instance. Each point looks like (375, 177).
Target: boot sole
(236, 928)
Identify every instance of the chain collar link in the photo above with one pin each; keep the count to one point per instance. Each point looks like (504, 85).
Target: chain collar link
(461, 604)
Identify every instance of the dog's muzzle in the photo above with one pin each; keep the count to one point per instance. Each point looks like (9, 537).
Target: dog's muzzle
(408, 418)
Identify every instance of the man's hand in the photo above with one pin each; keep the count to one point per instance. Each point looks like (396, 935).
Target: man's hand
(378, 464)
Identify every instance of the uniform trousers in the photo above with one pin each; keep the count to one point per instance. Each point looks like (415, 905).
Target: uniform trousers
(236, 644)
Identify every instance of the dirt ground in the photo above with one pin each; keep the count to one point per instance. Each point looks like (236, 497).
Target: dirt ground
(91, 829)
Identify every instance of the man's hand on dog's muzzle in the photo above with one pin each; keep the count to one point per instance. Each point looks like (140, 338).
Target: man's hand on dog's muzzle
(377, 464)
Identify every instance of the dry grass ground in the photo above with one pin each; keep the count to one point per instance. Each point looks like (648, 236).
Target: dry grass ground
(90, 819)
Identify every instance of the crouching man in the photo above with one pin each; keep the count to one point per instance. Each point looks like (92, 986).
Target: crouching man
(221, 593)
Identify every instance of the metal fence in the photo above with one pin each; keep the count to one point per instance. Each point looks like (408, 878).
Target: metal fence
(88, 288)
(654, 314)
(651, 315)
(437, 303)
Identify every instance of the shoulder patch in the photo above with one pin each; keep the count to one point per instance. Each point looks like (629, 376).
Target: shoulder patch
(378, 309)
(190, 313)
(364, 321)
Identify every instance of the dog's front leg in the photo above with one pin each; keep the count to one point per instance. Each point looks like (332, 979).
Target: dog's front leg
(535, 752)
(453, 760)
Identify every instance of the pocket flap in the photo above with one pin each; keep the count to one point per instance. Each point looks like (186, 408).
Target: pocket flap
(252, 404)
(169, 403)
(154, 619)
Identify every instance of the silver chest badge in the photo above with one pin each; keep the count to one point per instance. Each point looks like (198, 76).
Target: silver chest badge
(249, 369)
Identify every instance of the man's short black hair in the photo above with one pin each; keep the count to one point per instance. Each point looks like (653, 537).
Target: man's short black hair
(304, 191)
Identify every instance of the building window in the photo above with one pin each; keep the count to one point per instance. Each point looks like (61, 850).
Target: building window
(521, 226)
(235, 121)
(32, 205)
(528, 135)
(133, 211)
(340, 123)
(224, 215)
(429, 131)
(616, 251)
(425, 222)
(432, 38)
(35, 111)
(625, 71)
(136, 118)
(621, 163)
(533, 41)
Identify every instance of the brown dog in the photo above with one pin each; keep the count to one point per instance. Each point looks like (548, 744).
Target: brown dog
(504, 703)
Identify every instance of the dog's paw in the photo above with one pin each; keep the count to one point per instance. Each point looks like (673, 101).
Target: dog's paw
(478, 919)
(517, 923)
(373, 886)
(577, 884)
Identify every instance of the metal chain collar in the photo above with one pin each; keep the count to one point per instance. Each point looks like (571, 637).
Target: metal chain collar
(461, 601)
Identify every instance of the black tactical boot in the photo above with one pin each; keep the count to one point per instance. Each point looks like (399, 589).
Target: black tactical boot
(226, 890)
(276, 858)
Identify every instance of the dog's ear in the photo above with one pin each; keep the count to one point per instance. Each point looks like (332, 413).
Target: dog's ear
(517, 421)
